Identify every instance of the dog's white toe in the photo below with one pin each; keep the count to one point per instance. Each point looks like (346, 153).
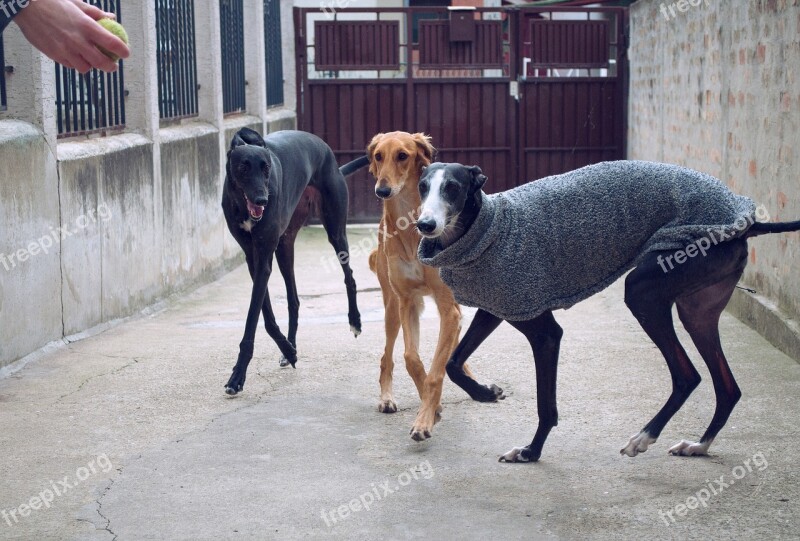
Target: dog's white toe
(637, 444)
(514, 455)
(690, 448)
(355, 331)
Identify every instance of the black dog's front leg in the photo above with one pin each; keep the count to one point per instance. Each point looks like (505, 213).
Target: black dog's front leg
(544, 336)
(483, 324)
(261, 269)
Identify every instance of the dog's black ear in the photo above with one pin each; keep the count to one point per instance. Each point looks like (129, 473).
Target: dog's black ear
(237, 141)
(478, 178)
(246, 136)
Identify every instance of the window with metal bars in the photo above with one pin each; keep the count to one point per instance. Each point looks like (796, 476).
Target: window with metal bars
(176, 59)
(274, 57)
(231, 21)
(94, 102)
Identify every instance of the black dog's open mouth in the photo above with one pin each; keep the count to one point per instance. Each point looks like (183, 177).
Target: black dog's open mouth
(256, 211)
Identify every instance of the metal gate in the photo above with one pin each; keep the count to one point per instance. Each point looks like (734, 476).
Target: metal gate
(523, 93)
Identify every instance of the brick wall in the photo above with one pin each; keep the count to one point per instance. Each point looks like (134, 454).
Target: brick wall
(715, 85)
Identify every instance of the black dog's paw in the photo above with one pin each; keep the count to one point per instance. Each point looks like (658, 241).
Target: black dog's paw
(492, 393)
(287, 361)
(235, 383)
(519, 454)
(355, 323)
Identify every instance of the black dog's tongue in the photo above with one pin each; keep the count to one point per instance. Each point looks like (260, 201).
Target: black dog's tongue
(256, 211)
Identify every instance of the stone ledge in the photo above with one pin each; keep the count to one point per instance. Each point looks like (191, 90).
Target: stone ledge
(764, 316)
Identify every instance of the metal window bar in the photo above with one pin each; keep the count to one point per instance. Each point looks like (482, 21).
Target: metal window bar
(274, 56)
(176, 59)
(3, 97)
(94, 102)
(231, 15)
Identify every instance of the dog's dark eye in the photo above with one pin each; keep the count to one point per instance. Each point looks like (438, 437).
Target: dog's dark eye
(423, 188)
(402, 156)
(451, 189)
(378, 157)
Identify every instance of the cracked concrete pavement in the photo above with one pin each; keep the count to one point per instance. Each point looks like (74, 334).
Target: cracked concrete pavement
(129, 435)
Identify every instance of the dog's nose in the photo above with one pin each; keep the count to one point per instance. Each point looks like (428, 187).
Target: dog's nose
(426, 225)
(261, 200)
(383, 192)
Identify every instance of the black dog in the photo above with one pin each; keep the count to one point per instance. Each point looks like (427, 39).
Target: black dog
(268, 186)
(452, 203)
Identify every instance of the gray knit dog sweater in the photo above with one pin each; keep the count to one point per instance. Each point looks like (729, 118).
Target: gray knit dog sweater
(554, 242)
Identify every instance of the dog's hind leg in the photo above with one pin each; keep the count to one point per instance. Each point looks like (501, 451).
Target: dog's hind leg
(483, 324)
(333, 204)
(650, 291)
(651, 303)
(544, 336)
(700, 313)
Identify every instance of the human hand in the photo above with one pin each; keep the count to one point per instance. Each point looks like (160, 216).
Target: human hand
(66, 31)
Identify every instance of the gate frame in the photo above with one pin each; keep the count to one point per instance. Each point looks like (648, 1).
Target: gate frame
(516, 17)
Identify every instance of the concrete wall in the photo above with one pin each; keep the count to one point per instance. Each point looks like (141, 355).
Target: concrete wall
(97, 228)
(716, 87)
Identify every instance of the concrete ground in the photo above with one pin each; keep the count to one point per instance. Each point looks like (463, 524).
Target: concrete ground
(128, 434)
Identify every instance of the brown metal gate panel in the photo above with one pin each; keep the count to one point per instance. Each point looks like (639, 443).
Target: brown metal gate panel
(582, 44)
(567, 126)
(357, 45)
(523, 93)
(437, 51)
(470, 124)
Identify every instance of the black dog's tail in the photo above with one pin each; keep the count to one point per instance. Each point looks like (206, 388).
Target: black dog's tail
(760, 228)
(355, 165)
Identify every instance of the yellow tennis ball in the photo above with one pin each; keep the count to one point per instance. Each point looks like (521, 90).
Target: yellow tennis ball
(115, 28)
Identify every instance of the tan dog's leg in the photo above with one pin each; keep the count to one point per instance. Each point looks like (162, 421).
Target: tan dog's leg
(410, 309)
(391, 319)
(449, 330)
(392, 327)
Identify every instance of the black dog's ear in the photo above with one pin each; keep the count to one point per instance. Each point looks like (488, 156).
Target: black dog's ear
(246, 136)
(478, 178)
(237, 141)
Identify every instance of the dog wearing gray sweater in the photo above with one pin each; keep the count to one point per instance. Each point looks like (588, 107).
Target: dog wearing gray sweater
(549, 244)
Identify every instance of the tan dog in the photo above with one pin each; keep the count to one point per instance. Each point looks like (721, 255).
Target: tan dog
(396, 162)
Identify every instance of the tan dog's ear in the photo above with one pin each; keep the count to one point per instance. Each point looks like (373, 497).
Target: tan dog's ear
(426, 150)
(373, 144)
(371, 152)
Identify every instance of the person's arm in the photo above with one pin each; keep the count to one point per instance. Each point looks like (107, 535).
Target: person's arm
(66, 31)
(7, 12)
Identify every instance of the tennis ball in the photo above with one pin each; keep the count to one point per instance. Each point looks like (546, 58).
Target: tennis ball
(115, 28)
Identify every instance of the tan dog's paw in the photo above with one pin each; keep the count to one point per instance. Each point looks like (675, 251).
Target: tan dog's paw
(387, 406)
(423, 426)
